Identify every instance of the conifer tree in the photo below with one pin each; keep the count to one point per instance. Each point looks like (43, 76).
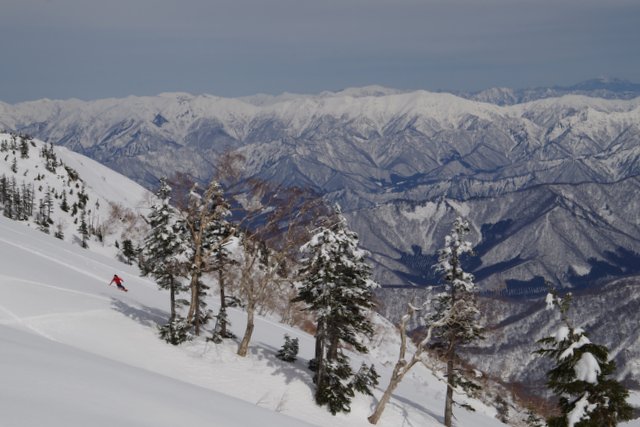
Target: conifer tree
(162, 249)
(588, 397)
(24, 148)
(18, 213)
(365, 379)
(457, 306)
(83, 229)
(4, 188)
(64, 205)
(59, 234)
(8, 210)
(128, 251)
(337, 288)
(289, 350)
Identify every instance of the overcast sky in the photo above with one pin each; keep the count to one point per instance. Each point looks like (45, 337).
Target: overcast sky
(112, 48)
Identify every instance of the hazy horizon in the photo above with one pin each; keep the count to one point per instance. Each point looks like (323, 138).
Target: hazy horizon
(62, 49)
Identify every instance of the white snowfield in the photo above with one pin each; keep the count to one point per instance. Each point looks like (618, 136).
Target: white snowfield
(77, 352)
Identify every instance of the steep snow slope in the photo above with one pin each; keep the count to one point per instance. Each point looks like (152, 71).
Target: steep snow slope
(77, 352)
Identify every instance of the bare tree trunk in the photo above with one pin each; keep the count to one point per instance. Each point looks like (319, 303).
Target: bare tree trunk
(320, 358)
(399, 371)
(402, 366)
(196, 315)
(244, 344)
(332, 353)
(448, 404)
(172, 294)
(194, 298)
(196, 268)
(319, 343)
(223, 306)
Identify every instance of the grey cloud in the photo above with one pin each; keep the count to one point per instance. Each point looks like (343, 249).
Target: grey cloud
(236, 47)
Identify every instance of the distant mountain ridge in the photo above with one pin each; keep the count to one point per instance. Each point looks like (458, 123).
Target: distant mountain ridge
(516, 170)
(607, 88)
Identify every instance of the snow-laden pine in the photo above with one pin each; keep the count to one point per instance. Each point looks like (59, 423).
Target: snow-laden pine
(581, 375)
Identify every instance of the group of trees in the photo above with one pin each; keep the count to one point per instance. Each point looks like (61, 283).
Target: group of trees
(22, 200)
(283, 242)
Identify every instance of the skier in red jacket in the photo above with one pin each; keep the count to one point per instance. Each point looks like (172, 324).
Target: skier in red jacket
(118, 281)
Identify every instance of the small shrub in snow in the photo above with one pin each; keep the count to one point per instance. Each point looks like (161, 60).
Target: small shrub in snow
(175, 332)
(289, 350)
(365, 379)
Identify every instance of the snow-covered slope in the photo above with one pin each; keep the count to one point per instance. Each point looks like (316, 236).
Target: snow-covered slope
(50, 188)
(76, 352)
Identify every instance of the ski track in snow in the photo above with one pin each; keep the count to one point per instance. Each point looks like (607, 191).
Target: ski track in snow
(23, 321)
(42, 255)
(66, 264)
(57, 288)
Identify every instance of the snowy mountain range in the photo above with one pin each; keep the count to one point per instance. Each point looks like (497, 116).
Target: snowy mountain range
(545, 183)
(547, 186)
(76, 352)
(603, 87)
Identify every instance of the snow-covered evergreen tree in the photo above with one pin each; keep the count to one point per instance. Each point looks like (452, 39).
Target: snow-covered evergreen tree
(337, 288)
(24, 148)
(162, 247)
(335, 390)
(128, 251)
(289, 350)
(220, 260)
(366, 378)
(456, 308)
(588, 397)
(83, 229)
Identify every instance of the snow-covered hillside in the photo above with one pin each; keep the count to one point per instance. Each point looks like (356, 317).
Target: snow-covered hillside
(76, 352)
(54, 189)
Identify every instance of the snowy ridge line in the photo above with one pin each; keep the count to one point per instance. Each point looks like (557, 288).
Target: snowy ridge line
(57, 288)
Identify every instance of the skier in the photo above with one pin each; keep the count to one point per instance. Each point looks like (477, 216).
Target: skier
(118, 282)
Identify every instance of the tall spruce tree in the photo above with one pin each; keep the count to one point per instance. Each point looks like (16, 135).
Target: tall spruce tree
(456, 309)
(24, 148)
(337, 288)
(580, 378)
(162, 248)
(83, 229)
(128, 251)
(220, 261)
